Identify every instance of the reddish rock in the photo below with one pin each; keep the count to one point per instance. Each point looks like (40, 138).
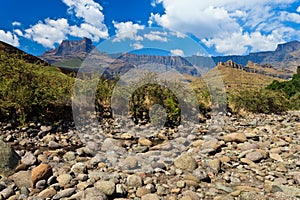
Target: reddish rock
(41, 172)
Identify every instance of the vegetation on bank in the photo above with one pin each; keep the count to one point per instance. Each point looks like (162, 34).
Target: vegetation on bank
(34, 91)
(275, 98)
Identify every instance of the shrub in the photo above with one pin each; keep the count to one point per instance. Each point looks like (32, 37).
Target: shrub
(262, 101)
(29, 90)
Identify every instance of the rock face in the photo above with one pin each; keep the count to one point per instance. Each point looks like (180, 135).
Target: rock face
(9, 159)
(69, 49)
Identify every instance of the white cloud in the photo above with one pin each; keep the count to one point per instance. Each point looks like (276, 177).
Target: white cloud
(298, 9)
(228, 25)
(89, 31)
(127, 30)
(137, 46)
(177, 34)
(19, 32)
(15, 23)
(239, 42)
(292, 17)
(177, 52)
(49, 32)
(9, 38)
(156, 36)
(155, 2)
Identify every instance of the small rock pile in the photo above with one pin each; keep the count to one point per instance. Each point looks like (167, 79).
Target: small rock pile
(257, 157)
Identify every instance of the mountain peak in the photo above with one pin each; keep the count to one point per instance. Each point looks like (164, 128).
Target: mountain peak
(73, 48)
(69, 47)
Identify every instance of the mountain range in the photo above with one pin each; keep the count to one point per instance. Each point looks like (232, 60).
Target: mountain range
(282, 62)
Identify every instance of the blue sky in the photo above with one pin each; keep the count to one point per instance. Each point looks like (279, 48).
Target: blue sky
(220, 26)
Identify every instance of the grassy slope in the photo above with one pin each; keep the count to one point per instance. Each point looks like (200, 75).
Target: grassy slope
(29, 88)
(234, 80)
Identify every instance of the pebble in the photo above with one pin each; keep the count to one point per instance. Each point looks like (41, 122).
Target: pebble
(150, 197)
(93, 194)
(185, 162)
(134, 181)
(235, 137)
(276, 156)
(64, 193)
(254, 156)
(142, 191)
(28, 159)
(47, 193)
(22, 179)
(79, 168)
(107, 187)
(64, 179)
(246, 158)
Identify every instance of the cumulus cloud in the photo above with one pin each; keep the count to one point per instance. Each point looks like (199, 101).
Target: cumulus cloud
(50, 31)
(177, 52)
(19, 32)
(9, 38)
(292, 17)
(239, 42)
(157, 36)
(88, 10)
(15, 23)
(298, 9)
(127, 30)
(89, 31)
(229, 26)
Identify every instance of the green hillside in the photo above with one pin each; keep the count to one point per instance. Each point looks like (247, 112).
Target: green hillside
(30, 89)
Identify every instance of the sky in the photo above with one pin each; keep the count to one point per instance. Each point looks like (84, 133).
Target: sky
(220, 27)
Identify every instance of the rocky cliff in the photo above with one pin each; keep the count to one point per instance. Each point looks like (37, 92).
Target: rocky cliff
(69, 50)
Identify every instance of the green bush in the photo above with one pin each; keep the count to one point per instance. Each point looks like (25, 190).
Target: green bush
(29, 90)
(262, 101)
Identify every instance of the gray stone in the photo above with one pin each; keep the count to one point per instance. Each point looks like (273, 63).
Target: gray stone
(93, 194)
(69, 156)
(9, 159)
(210, 146)
(134, 181)
(254, 156)
(41, 184)
(7, 192)
(287, 190)
(54, 145)
(201, 174)
(22, 179)
(64, 193)
(28, 159)
(130, 163)
(79, 168)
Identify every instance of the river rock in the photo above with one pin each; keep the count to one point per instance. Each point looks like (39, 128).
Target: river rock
(186, 162)
(9, 159)
(41, 172)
